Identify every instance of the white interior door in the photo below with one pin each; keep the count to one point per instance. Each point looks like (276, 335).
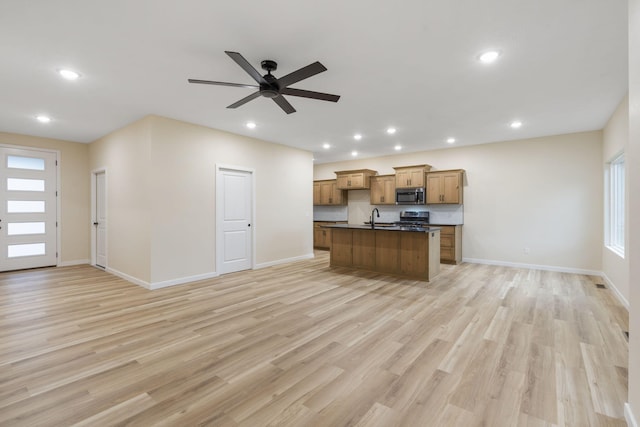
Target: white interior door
(234, 213)
(28, 215)
(100, 222)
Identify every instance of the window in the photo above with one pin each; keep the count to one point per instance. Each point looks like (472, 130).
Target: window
(615, 208)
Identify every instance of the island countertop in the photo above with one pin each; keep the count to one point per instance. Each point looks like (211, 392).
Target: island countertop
(383, 227)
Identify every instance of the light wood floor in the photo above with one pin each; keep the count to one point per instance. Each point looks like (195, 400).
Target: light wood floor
(305, 345)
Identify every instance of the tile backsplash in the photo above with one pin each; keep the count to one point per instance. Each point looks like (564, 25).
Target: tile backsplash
(359, 210)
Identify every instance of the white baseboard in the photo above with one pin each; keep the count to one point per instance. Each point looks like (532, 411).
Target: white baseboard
(73, 262)
(616, 292)
(628, 415)
(284, 261)
(182, 280)
(533, 266)
(128, 278)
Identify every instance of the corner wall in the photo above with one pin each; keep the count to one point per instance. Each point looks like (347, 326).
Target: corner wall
(126, 156)
(161, 199)
(544, 194)
(74, 221)
(615, 140)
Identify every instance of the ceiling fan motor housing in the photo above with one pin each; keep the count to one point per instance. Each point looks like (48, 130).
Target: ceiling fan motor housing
(271, 89)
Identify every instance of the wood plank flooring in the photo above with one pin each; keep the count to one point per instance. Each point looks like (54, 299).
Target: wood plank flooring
(306, 345)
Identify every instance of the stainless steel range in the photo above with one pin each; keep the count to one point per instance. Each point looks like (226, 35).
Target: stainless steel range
(413, 219)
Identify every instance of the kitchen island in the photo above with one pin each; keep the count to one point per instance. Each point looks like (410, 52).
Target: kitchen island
(412, 252)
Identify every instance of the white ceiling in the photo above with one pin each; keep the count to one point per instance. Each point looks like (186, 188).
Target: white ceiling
(411, 64)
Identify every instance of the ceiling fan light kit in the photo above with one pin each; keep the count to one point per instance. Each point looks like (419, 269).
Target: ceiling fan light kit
(271, 87)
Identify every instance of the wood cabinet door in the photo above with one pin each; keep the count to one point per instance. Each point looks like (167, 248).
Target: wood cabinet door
(337, 195)
(402, 179)
(316, 193)
(343, 181)
(433, 189)
(414, 251)
(376, 197)
(317, 237)
(387, 251)
(364, 249)
(341, 243)
(451, 188)
(416, 178)
(389, 185)
(357, 180)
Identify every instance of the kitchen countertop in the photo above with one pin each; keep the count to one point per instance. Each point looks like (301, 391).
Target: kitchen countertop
(384, 228)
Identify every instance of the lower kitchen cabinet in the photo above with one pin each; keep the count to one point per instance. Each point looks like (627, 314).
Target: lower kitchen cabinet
(322, 236)
(450, 243)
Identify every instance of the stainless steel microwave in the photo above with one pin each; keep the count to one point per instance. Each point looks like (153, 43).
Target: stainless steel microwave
(410, 196)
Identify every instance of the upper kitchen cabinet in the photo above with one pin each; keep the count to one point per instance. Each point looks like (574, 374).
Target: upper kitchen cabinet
(354, 179)
(326, 192)
(411, 176)
(445, 187)
(383, 190)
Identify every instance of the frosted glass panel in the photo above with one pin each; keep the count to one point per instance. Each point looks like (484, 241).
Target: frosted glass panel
(17, 184)
(29, 249)
(22, 228)
(31, 163)
(25, 206)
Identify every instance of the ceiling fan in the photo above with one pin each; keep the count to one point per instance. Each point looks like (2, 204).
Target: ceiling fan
(271, 87)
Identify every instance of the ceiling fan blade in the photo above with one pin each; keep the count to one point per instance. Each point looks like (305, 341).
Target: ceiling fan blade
(301, 74)
(310, 94)
(284, 104)
(244, 100)
(209, 82)
(246, 66)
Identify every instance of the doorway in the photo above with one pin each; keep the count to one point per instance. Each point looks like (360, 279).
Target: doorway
(99, 211)
(28, 215)
(234, 219)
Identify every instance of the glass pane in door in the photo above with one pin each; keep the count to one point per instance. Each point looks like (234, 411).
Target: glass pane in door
(30, 163)
(27, 249)
(17, 184)
(25, 228)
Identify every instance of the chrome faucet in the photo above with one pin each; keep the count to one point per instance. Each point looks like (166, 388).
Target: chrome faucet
(373, 221)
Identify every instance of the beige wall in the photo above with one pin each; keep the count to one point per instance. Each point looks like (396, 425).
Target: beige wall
(74, 221)
(544, 194)
(615, 140)
(184, 163)
(634, 207)
(161, 203)
(125, 155)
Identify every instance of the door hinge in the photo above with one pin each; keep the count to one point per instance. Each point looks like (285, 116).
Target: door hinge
(56, 163)
(56, 194)
(56, 254)
(56, 223)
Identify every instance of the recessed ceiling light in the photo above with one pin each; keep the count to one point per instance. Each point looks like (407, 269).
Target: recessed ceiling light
(354, 153)
(357, 137)
(398, 147)
(451, 140)
(69, 74)
(326, 145)
(43, 119)
(251, 125)
(516, 124)
(391, 131)
(489, 56)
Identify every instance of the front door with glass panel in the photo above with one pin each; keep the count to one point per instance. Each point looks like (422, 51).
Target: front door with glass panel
(28, 209)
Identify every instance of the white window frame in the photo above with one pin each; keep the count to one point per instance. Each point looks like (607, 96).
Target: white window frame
(615, 205)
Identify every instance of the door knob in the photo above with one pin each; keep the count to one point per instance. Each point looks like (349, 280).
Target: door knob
(95, 223)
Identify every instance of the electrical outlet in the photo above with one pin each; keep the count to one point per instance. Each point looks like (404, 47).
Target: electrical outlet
(527, 251)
